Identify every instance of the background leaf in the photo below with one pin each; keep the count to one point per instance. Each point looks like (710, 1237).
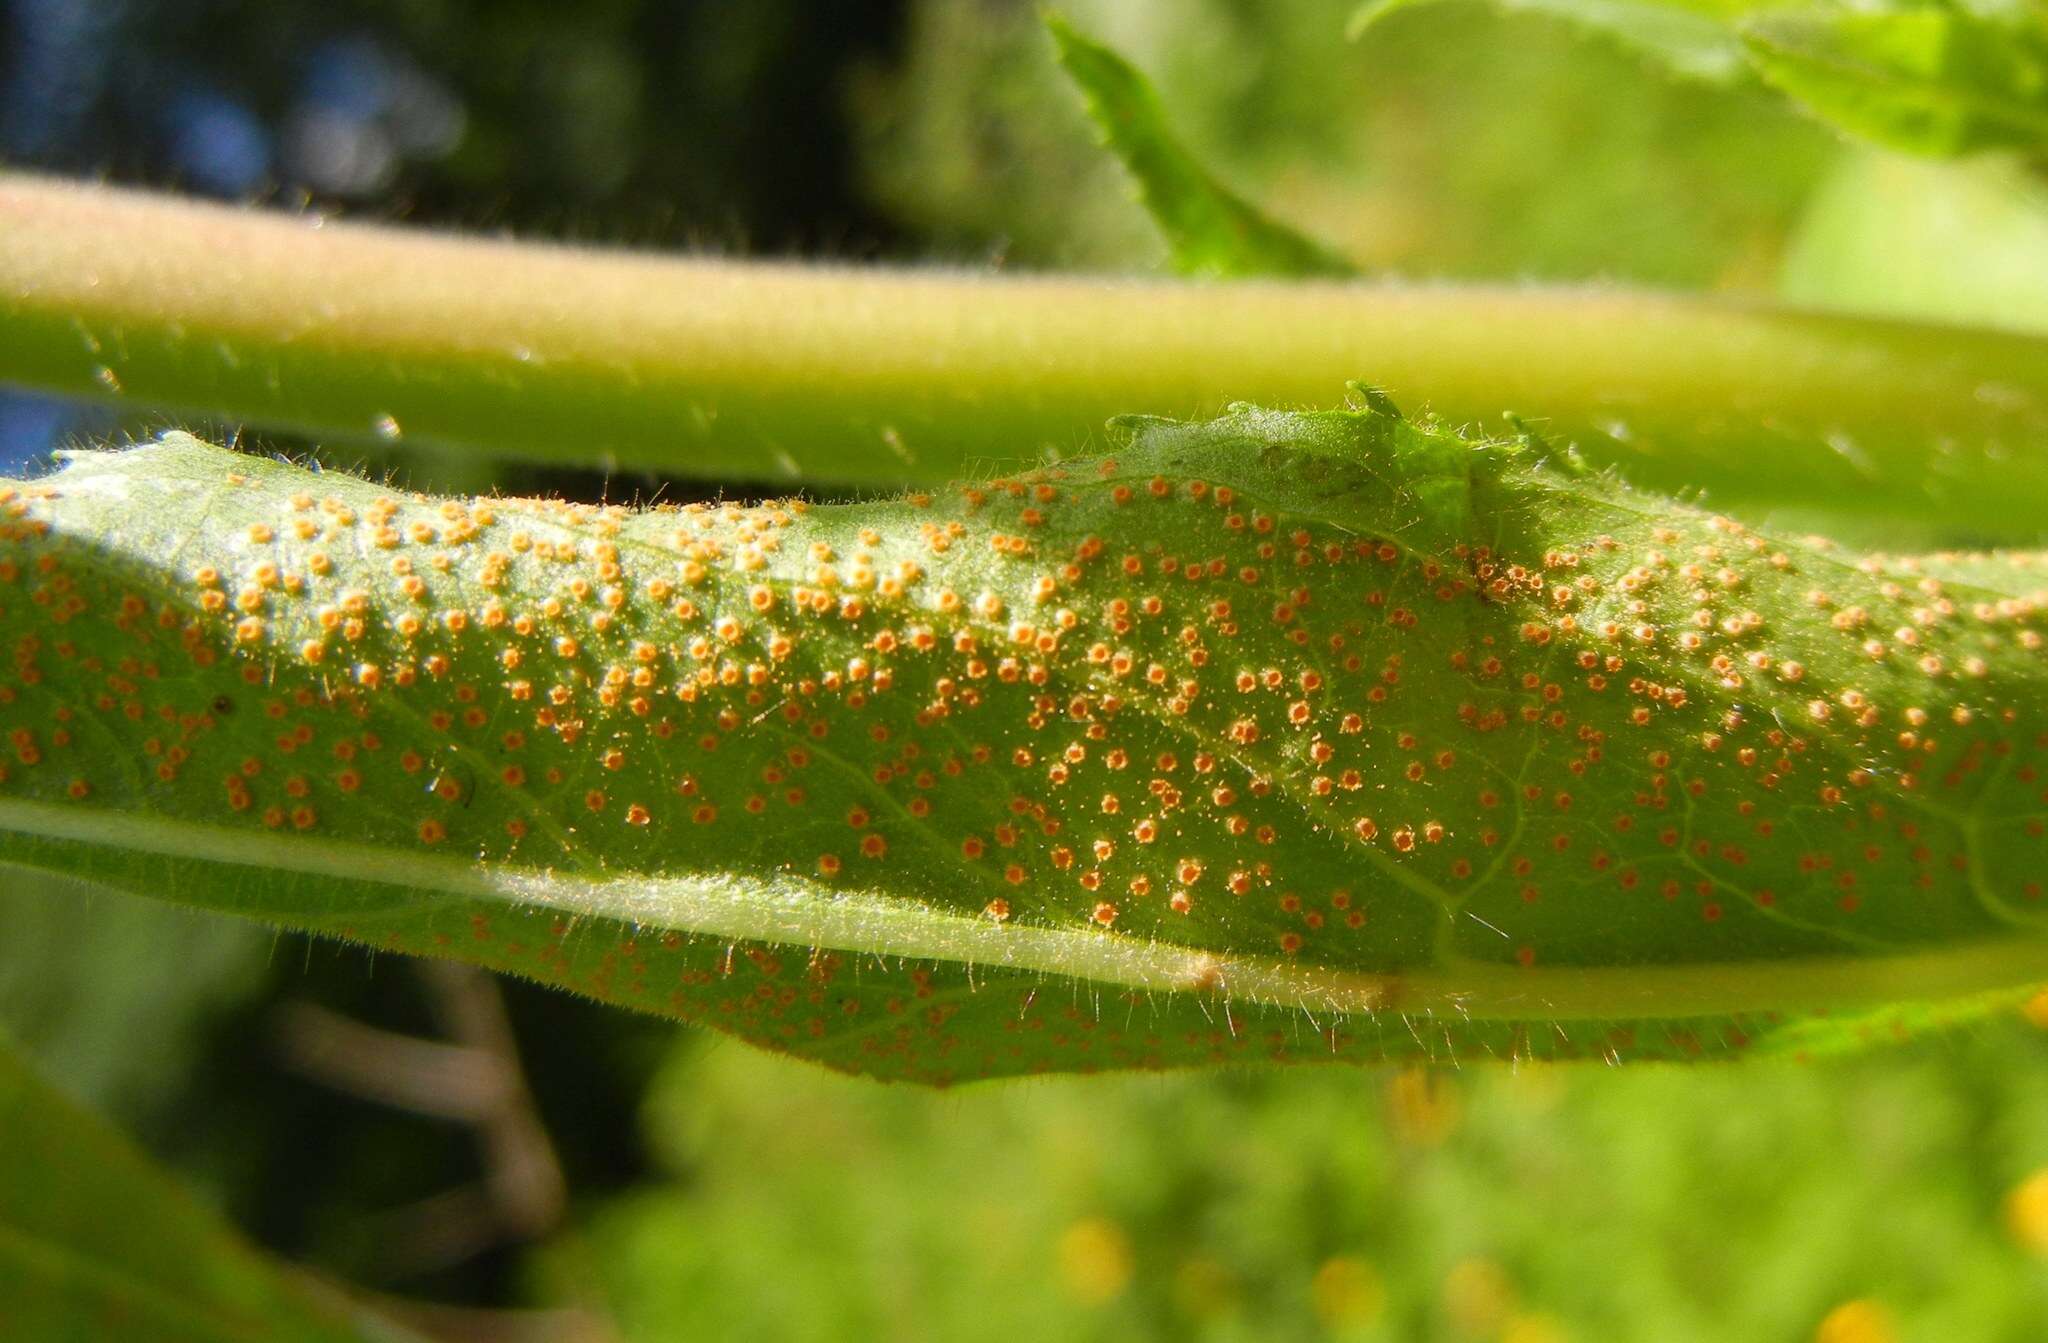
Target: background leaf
(1925, 78)
(1940, 82)
(119, 1040)
(1690, 39)
(1452, 145)
(1303, 736)
(95, 1242)
(1209, 229)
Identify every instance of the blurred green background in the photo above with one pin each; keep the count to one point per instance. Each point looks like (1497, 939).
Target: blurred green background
(649, 1183)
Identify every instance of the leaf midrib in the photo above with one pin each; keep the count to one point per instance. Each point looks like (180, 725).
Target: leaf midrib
(793, 911)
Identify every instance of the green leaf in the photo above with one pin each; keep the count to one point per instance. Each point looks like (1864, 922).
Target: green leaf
(1929, 81)
(97, 1242)
(113, 997)
(1924, 78)
(1300, 736)
(1209, 229)
(1691, 39)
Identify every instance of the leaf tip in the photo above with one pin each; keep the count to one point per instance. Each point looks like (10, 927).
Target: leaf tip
(1362, 395)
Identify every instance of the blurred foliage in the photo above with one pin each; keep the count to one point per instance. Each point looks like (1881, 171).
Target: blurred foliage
(1691, 37)
(1448, 142)
(357, 1187)
(1926, 79)
(1555, 1203)
(1938, 241)
(123, 1043)
(1208, 229)
(1923, 76)
(1898, 1195)
(97, 1243)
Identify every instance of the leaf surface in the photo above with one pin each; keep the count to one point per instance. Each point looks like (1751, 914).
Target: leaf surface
(1302, 736)
(1209, 229)
(97, 1242)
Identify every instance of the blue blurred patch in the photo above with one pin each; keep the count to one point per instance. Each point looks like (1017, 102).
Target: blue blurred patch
(216, 144)
(57, 68)
(32, 426)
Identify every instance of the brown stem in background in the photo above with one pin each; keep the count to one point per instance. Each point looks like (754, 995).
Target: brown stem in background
(474, 1078)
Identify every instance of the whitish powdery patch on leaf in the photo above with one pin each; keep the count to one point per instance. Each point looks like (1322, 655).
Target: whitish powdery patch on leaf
(1284, 736)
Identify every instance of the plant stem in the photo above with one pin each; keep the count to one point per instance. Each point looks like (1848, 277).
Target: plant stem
(748, 370)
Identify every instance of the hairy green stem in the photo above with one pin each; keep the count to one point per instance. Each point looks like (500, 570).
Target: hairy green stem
(708, 367)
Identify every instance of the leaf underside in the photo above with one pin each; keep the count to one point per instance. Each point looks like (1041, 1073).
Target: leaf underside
(1306, 737)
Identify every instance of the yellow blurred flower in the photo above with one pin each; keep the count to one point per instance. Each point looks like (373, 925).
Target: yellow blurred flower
(1095, 1260)
(1422, 1106)
(1347, 1292)
(1858, 1321)
(2026, 1213)
(1535, 1327)
(1478, 1297)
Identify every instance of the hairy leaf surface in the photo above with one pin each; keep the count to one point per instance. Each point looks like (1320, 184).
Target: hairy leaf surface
(1209, 229)
(1299, 736)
